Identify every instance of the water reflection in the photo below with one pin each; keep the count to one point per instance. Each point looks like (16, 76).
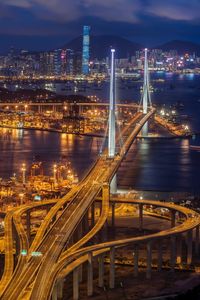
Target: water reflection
(164, 165)
(19, 147)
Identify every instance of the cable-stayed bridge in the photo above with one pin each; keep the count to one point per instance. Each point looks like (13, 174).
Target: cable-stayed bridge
(63, 241)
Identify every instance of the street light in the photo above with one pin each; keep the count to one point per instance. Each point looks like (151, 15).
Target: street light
(54, 174)
(23, 169)
(21, 195)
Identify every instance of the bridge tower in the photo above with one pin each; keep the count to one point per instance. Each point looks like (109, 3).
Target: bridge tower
(146, 95)
(111, 134)
(112, 119)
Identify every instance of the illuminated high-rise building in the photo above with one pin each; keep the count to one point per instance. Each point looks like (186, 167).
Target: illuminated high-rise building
(60, 62)
(86, 50)
(69, 61)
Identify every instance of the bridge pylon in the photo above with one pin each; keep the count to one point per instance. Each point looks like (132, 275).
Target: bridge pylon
(112, 119)
(146, 94)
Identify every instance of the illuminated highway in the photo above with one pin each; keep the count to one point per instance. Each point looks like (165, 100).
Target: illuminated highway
(19, 105)
(69, 262)
(52, 244)
(60, 245)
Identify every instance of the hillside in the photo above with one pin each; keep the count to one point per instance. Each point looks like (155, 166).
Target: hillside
(100, 46)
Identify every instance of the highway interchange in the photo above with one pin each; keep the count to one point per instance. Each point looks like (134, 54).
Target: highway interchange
(59, 253)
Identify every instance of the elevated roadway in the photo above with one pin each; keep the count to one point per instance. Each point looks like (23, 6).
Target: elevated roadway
(51, 243)
(68, 263)
(62, 104)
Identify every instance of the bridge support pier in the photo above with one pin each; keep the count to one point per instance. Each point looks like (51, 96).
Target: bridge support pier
(189, 247)
(140, 217)
(60, 285)
(85, 223)
(173, 218)
(101, 270)
(145, 130)
(136, 258)
(112, 268)
(80, 230)
(149, 260)
(197, 241)
(76, 284)
(173, 252)
(90, 275)
(113, 215)
(93, 214)
(54, 295)
(159, 255)
(179, 250)
(80, 270)
(77, 235)
(113, 185)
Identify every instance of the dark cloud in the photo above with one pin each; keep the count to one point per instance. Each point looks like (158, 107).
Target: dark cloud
(147, 21)
(175, 9)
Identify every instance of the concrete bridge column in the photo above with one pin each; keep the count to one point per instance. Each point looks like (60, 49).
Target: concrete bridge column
(77, 235)
(113, 185)
(80, 230)
(90, 275)
(145, 129)
(105, 231)
(60, 285)
(140, 217)
(149, 259)
(93, 214)
(173, 218)
(135, 259)
(101, 270)
(159, 255)
(28, 225)
(112, 268)
(113, 214)
(179, 249)
(80, 270)
(173, 252)
(197, 241)
(189, 247)
(85, 223)
(54, 295)
(75, 284)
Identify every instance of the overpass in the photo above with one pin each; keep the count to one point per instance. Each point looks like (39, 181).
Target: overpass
(60, 240)
(52, 244)
(59, 106)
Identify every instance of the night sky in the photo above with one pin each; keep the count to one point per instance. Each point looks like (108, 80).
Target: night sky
(46, 24)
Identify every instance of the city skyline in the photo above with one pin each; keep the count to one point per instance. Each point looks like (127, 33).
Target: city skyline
(40, 25)
(100, 149)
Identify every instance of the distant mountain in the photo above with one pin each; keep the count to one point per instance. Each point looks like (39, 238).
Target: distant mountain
(181, 46)
(100, 45)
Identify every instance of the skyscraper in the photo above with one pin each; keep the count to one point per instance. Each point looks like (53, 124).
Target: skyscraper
(60, 62)
(86, 50)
